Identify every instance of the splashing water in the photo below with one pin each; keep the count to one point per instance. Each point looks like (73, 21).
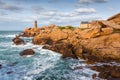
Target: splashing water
(44, 65)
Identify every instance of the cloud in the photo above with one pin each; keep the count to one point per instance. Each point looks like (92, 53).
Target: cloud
(85, 10)
(8, 6)
(77, 12)
(92, 1)
(3, 13)
(43, 11)
(14, 19)
(37, 9)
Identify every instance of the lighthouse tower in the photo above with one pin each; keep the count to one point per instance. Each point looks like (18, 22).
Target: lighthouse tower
(35, 24)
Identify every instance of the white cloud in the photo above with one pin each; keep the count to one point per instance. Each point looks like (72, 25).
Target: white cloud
(43, 11)
(85, 10)
(77, 12)
(65, 14)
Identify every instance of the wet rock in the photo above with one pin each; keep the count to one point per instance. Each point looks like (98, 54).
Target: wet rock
(94, 76)
(108, 71)
(64, 48)
(77, 50)
(0, 66)
(9, 72)
(18, 41)
(27, 52)
(13, 64)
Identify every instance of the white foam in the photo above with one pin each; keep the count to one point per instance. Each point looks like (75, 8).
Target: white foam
(27, 56)
(8, 36)
(37, 71)
(27, 45)
(11, 36)
(49, 52)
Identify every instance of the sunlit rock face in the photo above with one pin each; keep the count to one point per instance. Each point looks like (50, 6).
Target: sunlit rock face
(115, 19)
(105, 48)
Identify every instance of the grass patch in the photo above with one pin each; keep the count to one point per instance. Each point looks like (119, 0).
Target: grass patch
(82, 28)
(66, 27)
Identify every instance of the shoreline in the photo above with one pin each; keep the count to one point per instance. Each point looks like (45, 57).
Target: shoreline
(99, 43)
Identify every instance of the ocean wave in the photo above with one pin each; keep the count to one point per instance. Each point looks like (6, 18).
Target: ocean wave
(63, 70)
(45, 64)
(28, 45)
(8, 36)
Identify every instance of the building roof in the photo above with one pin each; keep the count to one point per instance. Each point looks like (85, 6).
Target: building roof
(84, 22)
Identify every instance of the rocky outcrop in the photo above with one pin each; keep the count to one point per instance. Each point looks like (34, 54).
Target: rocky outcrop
(106, 31)
(115, 19)
(90, 33)
(27, 52)
(18, 41)
(100, 42)
(96, 43)
(104, 48)
(98, 28)
(107, 71)
(57, 35)
(31, 32)
(64, 48)
(77, 50)
(111, 24)
(42, 39)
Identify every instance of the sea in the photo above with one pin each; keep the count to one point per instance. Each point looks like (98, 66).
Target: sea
(44, 65)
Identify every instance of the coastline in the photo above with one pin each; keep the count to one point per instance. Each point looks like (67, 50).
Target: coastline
(99, 43)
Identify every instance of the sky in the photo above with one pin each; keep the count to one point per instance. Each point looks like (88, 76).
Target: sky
(19, 14)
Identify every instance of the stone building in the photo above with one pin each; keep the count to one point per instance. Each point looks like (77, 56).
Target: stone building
(85, 25)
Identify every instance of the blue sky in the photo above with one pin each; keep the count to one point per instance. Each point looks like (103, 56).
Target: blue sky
(18, 14)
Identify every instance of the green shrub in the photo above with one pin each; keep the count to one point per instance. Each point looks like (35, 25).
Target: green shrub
(82, 28)
(66, 27)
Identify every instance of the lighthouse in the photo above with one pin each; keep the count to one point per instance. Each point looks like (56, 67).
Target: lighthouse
(35, 24)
